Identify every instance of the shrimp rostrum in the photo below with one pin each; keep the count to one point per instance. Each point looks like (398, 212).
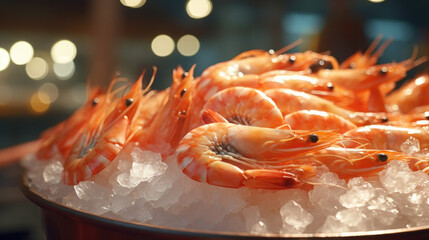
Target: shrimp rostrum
(234, 156)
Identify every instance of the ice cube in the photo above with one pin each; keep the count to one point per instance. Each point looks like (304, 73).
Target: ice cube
(352, 217)
(397, 177)
(410, 146)
(333, 225)
(259, 228)
(52, 173)
(326, 194)
(120, 202)
(359, 194)
(295, 216)
(88, 190)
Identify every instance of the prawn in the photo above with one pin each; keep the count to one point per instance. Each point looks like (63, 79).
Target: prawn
(318, 120)
(105, 135)
(409, 96)
(172, 121)
(289, 101)
(234, 156)
(386, 137)
(247, 106)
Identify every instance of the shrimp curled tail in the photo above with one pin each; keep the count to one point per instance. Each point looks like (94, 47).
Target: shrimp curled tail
(234, 156)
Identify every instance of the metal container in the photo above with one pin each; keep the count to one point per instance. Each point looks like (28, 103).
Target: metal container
(62, 222)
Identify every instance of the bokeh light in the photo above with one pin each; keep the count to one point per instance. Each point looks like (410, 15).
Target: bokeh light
(4, 59)
(162, 45)
(199, 8)
(21, 52)
(36, 103)
(64, 71)
(133, 3)
(48, 93)
(37, 68)
(63, 51)
(188, 45)
(376, 1)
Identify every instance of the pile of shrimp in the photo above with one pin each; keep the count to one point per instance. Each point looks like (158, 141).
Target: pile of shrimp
(264, 119)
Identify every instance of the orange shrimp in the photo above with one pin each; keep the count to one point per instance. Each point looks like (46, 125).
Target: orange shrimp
(105, 135)
(318, 120)
(289, 101)
(59, 139)
(172, 121)
(230, 155)
(247, 106)
(294, 81)
(364, 60)
(386, 137)
(409, 96)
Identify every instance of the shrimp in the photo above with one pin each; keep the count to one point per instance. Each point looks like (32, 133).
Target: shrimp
(247, 106)
(364, 60)
(318, 120)
(289, 101)
(234, 156)
(172, 121)
(294, 81)
(386, 137)
(105, 135)
(409, 96)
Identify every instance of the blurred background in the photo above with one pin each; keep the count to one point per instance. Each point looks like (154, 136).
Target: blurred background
(50, 50)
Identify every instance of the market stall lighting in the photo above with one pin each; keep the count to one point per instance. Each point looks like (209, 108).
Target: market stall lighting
(21, 52)
(64, 71)
(48, 93)
(199, 8)
(63, 51)
(37, 68)
(133, 3)
(4, 59)
(162, 45)
(376, 1)
(36, 103)
(188, 45)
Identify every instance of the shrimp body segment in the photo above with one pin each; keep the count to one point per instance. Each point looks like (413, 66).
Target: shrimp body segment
(318, 120)
(246, 106)
(230, 155)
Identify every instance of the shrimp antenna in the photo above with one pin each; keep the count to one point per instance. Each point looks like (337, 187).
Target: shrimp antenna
(288, 47)
(382, 47)
(373, 45)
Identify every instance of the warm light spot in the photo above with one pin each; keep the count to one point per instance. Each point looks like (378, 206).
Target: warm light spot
(133, 3)
(188, 45)
(376, 1)
(199, 8)
(48, 93)
(36, 102)
(420, 80)
(4, 59)
(162, 45)
(63, 51)
(21, 52)
(64, 71)
(37, 68)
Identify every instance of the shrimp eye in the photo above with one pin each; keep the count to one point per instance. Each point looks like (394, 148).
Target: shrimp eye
(182, 92)
(320, 64)
(313, 138)
(95, 101)
(182, 113)
(271, 51)
(128, 101)
(184, 74)
(382, 157)
(292, 59)
(289, 182)
(330, 86)
(352, 65)
(384, 119)
(426, 115)
(383, 71)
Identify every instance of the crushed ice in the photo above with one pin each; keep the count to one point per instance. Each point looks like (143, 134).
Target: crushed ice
(143, 188)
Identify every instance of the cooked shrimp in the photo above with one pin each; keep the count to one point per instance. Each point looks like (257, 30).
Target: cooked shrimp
(289, 101)
(247, 106)
(318, 120)
(386, 137)
(409, 96)
(104, 136)
(294, 81)
(172, 121)
(230, 155)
